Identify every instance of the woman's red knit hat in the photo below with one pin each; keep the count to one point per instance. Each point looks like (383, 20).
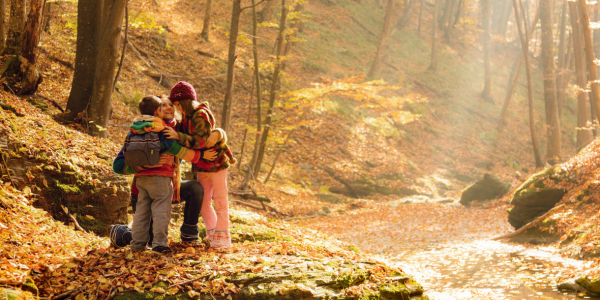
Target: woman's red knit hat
(182, 91)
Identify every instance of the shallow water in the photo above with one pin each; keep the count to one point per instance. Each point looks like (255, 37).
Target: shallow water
(448, 249)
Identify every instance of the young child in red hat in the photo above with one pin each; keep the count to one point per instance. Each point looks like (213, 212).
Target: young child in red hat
(199, 132)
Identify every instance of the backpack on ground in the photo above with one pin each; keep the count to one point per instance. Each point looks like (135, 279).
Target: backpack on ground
(142, 149)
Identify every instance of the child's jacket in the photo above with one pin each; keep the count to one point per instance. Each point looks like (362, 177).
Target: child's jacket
(194, 134)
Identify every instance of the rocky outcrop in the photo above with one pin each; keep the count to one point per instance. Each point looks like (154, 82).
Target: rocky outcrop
(533, 198)
(488, 188)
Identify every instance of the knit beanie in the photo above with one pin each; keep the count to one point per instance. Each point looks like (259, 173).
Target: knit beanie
(182, 91)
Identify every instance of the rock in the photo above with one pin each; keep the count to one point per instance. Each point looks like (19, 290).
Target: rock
(330, 198)
(570, 285)
(590, 285)
(463, 178)
(533, 198)
(326, 210)
(490, 187)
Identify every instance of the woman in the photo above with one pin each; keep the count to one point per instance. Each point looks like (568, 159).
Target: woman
(190, 191)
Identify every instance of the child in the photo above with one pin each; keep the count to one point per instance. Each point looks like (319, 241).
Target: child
(199, 132)
(155, 183)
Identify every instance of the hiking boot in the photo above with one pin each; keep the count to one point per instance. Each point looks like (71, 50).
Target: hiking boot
(162, 250)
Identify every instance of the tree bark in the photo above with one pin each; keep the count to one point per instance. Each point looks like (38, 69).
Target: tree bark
(561, 52)
(553, 146)
(206, 26)
(589, 54)
(15, 27)
(231, 58)
(376, 66)
(502, 21)
(274, 88)
(279, 154)
(525, 48)
(584, 116)
(434, 28)
(420, 16)
(47, 16)
(100, 106)
(487, 64)
(88, 27)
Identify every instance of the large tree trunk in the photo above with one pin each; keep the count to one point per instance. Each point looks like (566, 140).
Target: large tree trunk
(487, 64)
(251, 166)
(589, 54)
(500, 23)
(560, 74)
(434, 29)
(100, 107)
(584, 136)
(88, 41)
(231, 57)
(376, 66)
(553, 146)
(206, 25)
(420, 16)
(15, 27)
(525, 48)
(274, 88)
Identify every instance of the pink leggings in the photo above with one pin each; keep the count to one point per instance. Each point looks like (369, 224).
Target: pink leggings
(217, 219)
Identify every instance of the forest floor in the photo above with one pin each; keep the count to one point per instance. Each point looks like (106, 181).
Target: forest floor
(440, 140)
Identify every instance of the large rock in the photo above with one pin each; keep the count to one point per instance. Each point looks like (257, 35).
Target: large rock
(533, 198)
(490, 187)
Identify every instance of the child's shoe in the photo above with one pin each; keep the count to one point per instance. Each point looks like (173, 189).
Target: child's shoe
(162, 250)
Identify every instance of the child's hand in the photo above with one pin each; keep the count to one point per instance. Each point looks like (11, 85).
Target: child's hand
(214, 137)
(170, 133)
(163, 160)
(209, 155)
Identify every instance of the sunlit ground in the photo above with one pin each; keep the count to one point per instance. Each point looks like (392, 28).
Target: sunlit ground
(447, 248)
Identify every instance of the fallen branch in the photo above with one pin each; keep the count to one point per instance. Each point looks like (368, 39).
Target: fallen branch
(298, 218)
(76, 223)
(250, 196)
(247, 204)
(346, 183)
(68, 293)
(54, 103)
(274, 210)
(189, 281)
(531, 224)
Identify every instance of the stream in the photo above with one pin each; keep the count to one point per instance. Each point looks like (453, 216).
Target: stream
(447, 248)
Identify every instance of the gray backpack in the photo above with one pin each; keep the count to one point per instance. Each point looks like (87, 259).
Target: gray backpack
(142, 149)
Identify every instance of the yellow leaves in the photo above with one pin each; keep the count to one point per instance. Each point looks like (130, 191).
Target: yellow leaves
(89, 217)
(158, 290)
(193, 294)
(190, 250)
(45, 182)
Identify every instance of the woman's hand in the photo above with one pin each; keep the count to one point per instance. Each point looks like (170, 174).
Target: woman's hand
(170, 133)
(209, 155)
(213, 138)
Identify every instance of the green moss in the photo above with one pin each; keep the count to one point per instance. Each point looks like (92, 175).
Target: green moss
(347, 280)
(29, 286)
(353, 248)
(592, 285)
(537, 177)
(134, 295)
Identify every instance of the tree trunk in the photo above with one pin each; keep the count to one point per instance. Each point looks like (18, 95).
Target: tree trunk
(487, 64)
(267, 12)
(124, 49)
(406, 16)
(2, 25)
(100, 107)
(584, 116)
(502, 20)
(553, 146)
(589, 54)
(88, 27)
(274, 88)
(231, 57)
(251, 166)
(206, 25)
(376, 66)
(525, 48)
(15, 27)
(31, 31)
(434, 28)
(420, 16)
(561, 49)
(47, 16)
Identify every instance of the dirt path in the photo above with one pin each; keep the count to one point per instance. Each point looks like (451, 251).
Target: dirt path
(448, 249)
